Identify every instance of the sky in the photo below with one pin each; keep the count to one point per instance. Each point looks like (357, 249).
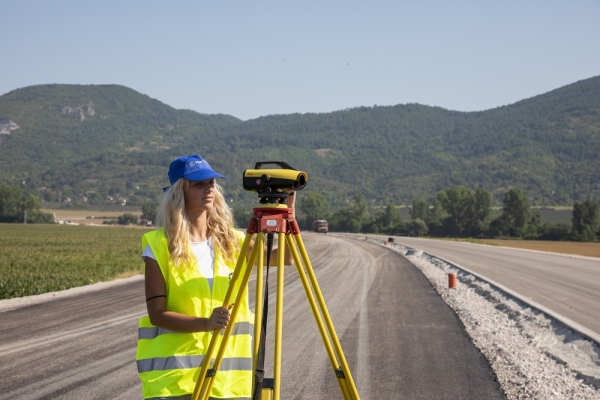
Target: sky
(256, 58)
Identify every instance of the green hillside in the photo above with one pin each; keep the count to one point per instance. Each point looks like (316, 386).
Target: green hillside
(106, 140)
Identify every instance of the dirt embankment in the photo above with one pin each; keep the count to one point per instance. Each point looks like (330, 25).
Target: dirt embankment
(575, 248)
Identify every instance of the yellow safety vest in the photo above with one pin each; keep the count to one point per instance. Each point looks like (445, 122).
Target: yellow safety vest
(168, 361)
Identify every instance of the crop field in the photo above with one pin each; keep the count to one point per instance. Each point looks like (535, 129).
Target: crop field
(36, 259)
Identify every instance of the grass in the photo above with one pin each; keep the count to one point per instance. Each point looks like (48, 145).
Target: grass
(36, 259)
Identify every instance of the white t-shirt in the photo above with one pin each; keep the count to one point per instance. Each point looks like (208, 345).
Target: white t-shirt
(205, 254)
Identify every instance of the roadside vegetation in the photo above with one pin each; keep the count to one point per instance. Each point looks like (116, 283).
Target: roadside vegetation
(16, 206)
(458, 212)
(39, 258)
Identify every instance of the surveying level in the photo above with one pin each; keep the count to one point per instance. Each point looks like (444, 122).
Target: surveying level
(274, 217)
(267, 182)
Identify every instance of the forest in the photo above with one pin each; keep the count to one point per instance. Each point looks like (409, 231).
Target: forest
(89, 145)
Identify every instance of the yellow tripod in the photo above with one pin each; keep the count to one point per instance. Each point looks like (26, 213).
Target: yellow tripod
(270, 219)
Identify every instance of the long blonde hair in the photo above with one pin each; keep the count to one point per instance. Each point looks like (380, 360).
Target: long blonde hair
(172, 217)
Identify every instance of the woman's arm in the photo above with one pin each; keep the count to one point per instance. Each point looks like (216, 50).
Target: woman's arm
(159, 315)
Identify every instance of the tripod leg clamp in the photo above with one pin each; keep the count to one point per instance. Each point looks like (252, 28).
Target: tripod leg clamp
(268, 383)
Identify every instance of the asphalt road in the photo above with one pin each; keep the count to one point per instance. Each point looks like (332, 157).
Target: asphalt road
(400, 340)
(568, 285)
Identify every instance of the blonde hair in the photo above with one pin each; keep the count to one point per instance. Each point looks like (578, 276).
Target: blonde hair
(172, 217)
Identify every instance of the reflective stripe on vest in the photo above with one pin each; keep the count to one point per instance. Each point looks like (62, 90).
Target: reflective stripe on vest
(175, 362)
(239, 328)
(189, 397)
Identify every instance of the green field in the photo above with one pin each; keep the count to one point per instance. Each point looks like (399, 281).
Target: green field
(36, 259)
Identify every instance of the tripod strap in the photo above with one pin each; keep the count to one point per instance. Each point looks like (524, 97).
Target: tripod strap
(259, 374)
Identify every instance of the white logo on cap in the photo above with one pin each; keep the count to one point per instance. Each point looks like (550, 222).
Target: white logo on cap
(194, 163)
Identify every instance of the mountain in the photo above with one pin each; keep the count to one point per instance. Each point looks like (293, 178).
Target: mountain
(101, 141)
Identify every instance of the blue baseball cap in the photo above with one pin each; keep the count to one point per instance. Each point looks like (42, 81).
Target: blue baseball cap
(193, 168)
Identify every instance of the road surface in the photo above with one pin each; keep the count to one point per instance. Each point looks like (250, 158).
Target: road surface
(399, 338)
(568, 285)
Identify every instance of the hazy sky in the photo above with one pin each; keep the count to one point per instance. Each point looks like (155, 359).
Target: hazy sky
(254, 58)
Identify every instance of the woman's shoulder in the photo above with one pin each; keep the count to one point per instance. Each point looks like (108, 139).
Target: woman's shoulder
(158, 242)
(155, 233)
(153, 236)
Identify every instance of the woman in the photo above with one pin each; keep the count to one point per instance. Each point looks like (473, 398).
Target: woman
(188, 266)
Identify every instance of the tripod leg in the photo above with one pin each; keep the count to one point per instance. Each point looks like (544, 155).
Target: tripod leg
(279, 316)
(238, 302)
(343, 374)
(205, 380)
(258, 303)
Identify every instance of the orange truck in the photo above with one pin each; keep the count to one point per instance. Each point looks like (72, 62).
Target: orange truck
(320, 226)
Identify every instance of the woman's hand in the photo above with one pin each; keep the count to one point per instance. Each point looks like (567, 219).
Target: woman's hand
(219, 318)
(291, 202)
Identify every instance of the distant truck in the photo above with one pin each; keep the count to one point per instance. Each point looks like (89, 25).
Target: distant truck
(320, 226)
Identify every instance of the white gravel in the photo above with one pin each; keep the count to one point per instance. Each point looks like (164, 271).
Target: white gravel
(533, 355)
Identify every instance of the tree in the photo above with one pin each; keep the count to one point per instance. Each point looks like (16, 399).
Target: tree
(585, 220)
(459, 204)
(437, 215)
(482, 213)
(559, 231)
(14, 204)
(127, 219)
(482, 209)
(419, 210)
(353, 217)
(314, 206)
(389, 220)
(149, 212)
(534, 227)
(417, 227)
(359, 209)
(10, 203)
(515, 212)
